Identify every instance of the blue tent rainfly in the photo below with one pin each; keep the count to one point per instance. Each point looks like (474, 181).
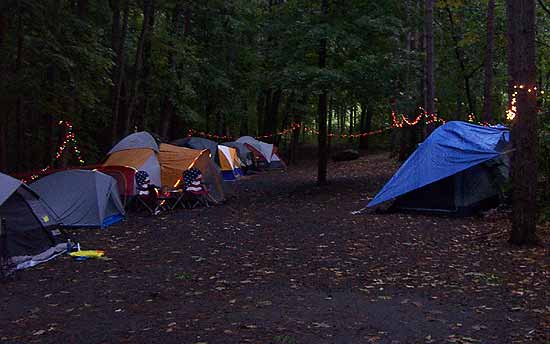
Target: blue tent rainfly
(450, 149)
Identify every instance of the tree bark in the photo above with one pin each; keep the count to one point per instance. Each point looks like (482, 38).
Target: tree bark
(138, 65)
(322, 108)
(429, 44)
(366, 127)
(3, 101)
(489, 52)
(147, 75)
(118, 37)
(460, 58)
(362, 127)
(351, 122)
(20, 115)
(522, 71)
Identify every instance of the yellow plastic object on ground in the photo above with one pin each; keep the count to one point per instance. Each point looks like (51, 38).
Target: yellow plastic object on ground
(88, 254)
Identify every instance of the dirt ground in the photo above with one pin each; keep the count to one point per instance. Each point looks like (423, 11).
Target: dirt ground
(285, 262)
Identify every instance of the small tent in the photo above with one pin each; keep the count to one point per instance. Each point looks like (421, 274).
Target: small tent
(459, 168)
(139, 151)
(81, 198)
(31, 226)
(245, 154)
(268, 151)
(230, 164)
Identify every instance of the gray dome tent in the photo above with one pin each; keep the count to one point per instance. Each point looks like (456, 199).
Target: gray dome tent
(199, 143)
(31, 234)
(141, 139)
(82, 198)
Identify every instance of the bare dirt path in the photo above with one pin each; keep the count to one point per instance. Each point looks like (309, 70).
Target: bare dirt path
(284, 261)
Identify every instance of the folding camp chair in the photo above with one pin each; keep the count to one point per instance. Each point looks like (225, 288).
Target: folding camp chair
(195, 191)
(149, 196)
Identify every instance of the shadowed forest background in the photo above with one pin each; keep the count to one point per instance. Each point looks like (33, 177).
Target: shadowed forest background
(244, 67)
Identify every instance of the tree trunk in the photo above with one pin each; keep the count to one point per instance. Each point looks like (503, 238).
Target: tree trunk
(3, 101)
(322, 109)
(271, 124)
(351, 120)
(329, 125)
(488, 86)
(118, 37)
(267, 111)
(460, 58)
(430, 64)
(167, 113)
(367, 126)
(362, 144)
(522, 73)
(20, 115)
(147, 76)
(138, 65)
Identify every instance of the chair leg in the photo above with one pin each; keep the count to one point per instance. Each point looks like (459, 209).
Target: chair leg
(146, 206)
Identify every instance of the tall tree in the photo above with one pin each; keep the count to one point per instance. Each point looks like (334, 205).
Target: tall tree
(522, 81)
(489, 52)
(430, 64)
(118, 39)
(3, 98)
(322, 108)
(148, 6)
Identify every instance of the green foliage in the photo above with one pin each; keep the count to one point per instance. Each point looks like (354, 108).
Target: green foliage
(216, 65)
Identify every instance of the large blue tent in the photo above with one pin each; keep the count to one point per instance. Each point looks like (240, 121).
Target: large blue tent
(454, 149)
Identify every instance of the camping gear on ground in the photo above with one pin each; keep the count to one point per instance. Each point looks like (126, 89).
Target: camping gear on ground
(200, 144)
(245, 155)
(459, 168)
(165, 164)
(87, 254)
(268, 151)
(230, 164)
(29, 225)
(81, 198)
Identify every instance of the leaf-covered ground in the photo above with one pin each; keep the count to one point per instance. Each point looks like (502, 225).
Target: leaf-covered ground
(284, 261)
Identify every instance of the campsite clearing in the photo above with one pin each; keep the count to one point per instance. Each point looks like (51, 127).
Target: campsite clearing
(284, 261)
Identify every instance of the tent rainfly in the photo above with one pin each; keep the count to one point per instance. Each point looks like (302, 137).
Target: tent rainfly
(459, 168)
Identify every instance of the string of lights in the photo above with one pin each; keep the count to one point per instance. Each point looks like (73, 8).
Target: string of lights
(69, 139)
(512, 111)
(398, 121)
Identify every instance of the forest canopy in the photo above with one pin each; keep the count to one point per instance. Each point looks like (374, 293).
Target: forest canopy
(236, 67)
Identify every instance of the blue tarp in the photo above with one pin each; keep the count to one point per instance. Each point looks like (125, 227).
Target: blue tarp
(451, 148)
